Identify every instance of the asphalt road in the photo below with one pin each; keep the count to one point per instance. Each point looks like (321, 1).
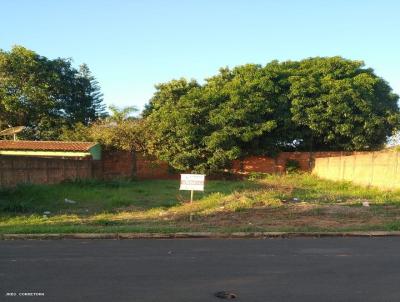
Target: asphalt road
(300, 269)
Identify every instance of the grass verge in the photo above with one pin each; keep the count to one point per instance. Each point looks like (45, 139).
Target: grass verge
(298, 202)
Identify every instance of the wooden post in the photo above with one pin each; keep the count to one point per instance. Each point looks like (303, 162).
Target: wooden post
(191, 196)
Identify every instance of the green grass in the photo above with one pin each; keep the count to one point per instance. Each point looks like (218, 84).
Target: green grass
(97, 197)
(298, 202)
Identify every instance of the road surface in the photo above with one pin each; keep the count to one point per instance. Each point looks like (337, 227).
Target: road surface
(299, 269)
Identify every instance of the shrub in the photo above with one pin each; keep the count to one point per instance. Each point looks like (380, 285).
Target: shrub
(292, 166)
(256, 175)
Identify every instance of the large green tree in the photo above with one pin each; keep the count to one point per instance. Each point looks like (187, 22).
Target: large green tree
(175, 122)
(341, 105)
(237, 112)
(45, 95)
(313, 104)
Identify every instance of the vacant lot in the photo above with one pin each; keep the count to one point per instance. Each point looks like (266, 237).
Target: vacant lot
(298, 202)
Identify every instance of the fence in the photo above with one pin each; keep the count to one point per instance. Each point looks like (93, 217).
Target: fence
(264, 164)
(16, 169)
(379, 169)
(365, 168)
(117, 164)
(114, 164)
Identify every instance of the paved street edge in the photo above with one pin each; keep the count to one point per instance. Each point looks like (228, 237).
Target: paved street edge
(121, 236)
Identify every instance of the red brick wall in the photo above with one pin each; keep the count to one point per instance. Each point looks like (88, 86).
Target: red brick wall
(255, 164)
(17, 169)
(266, 164)
(37, 170)
(117, 164)
(120, 164)
(153, 169)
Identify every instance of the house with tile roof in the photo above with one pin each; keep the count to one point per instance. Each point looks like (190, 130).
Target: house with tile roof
(50, 149)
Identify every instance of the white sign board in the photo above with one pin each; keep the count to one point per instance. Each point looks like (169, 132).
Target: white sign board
(192, 182)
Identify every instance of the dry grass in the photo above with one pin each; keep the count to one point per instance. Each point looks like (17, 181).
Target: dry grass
(272, 203)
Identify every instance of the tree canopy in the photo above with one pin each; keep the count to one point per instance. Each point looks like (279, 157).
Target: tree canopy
(118, 131)
(45, 95)
(314, 104)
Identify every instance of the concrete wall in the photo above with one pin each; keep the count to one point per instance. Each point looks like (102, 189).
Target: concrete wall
(381, 169)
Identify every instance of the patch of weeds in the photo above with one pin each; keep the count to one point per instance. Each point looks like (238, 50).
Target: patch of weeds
(170, 187)
(318, 211)
(385, 210)
(393, 226)
(10, 206)
(256, 175)
(118, 202)
(105, 222)
(106, 206)
(292, 166)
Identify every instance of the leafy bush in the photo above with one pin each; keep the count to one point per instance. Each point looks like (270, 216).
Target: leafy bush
(256, 175)
(292, 166)
(9, 206)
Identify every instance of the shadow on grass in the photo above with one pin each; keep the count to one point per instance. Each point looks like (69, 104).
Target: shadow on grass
(268, 204)
(92, 197)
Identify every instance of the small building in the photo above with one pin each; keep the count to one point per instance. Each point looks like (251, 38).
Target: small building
(52, 149)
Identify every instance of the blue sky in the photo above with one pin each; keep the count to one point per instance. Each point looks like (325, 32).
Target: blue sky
(132, 45)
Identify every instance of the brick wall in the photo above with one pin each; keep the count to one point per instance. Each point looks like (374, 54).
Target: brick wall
(117, 164)
(37, 170)
(264, 164)
(17, 169)
(114, 165)
(147, 168)
(124, 164)
(120, 164)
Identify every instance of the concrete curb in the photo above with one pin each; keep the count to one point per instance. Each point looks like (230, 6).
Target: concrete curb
(210, 235)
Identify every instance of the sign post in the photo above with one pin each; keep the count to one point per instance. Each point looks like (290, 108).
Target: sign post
(192, 182)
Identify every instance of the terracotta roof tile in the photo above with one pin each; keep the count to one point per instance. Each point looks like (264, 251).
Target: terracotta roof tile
(46, 145)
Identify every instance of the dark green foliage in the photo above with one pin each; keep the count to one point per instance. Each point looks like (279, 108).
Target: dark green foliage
(341, 105)
(9, 206)
(256, 176)
(292, 166)
(45, 95)
(314, 104)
